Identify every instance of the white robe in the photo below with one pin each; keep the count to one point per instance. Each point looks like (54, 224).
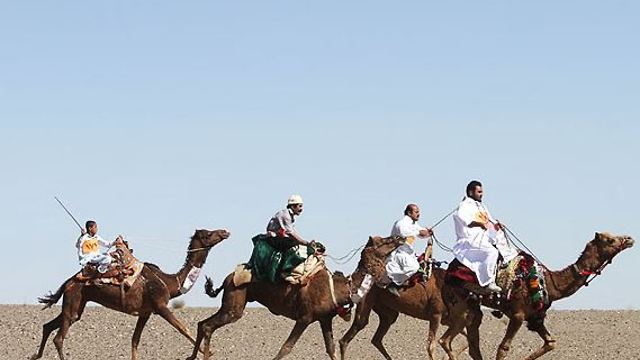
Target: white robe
(476, 248)
(402, 262)
(94, 250)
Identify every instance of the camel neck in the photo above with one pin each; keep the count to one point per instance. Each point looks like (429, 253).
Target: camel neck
(175, 281)
(566, 282)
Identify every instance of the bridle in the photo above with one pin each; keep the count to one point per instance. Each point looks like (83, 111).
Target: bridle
(596, 272)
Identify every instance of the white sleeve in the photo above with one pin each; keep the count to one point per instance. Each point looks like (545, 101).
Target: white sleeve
(104, 243)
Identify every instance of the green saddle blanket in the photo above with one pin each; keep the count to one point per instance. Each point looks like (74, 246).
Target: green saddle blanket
(272, 256)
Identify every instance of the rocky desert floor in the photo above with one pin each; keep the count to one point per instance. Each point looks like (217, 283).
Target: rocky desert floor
(105, 334)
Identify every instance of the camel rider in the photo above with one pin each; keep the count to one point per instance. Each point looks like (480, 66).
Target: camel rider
(480, 238)
(92, 249)
(280, 228)
(402, 262)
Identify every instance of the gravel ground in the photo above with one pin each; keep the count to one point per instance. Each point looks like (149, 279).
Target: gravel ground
(106, 334)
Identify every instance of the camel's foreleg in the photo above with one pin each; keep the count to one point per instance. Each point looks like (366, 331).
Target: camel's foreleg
(549, 342)
(295, 334)
(387, 318)
(175, 322)
(135, 340)
(434, 323)
(327, 334)
(473, 333)
(361, 319)
(515, 322)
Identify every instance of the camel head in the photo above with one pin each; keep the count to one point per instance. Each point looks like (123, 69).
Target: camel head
(600, 251)
(606, 245)
(206, 239)
(372, 262)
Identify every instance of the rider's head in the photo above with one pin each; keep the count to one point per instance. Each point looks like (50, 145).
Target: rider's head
(295, 204)
(92, 227)
(474, 190)
(412, 211)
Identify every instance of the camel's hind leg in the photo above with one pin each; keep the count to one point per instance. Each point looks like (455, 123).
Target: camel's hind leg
(46, 331)
(361, 319)
(72, 308)
(549, 342)
(457, 322)
(295, 334)
(327, 334)
(234, 301)
(387, 317)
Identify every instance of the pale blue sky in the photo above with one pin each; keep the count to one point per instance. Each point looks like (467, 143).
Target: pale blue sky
(159, 118)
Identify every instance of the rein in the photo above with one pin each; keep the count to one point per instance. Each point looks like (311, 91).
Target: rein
(350, 254)
(588, 272)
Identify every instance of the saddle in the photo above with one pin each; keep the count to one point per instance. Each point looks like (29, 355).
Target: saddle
(299, 275)
(522, 274)
(124, 270)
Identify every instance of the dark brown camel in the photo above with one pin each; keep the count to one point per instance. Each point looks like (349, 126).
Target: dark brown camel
(149, 294)
(422, 301)
(310, 303)
(559, 284)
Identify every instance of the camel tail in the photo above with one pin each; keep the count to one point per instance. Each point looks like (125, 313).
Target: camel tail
(52, 298)
(208, 288)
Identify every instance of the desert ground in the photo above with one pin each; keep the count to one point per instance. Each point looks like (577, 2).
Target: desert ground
(105, 334)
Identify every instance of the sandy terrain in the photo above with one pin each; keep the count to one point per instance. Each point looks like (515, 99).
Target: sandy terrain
(105, 334)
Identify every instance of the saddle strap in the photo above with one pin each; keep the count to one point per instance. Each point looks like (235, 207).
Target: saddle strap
(332, 289)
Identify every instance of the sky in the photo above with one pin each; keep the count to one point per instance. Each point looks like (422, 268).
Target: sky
(156, 119)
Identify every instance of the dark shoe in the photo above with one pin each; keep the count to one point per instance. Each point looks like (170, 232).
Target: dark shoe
(393, 289)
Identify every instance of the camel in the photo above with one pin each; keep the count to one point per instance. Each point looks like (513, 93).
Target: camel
(149, 294)
(319, 300)
(465, 310)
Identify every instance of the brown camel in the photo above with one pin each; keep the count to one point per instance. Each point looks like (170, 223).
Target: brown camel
(518, 308)
(422, 301)
(149, 294)
(319, 300)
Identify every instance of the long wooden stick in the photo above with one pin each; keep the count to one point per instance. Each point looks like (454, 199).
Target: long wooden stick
(68, 212)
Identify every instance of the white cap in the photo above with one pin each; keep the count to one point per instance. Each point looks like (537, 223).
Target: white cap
(294, 199)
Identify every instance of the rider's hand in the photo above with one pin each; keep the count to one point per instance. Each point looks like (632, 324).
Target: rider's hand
(498, 226)
(82, 231)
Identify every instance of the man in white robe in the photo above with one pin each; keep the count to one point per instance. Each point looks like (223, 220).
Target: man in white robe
(402, 262)
(480, 238)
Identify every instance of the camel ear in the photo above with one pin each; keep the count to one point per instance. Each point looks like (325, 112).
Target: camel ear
(598, 236)
(370, 242)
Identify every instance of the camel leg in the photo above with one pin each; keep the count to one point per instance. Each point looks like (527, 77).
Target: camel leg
(549, 342)
(135, 340)
(473, 333)
(515, 322)
(233, 304)
(387, 317)
(46, 331)
(175, 322)
(361, 319)
(72, 308)
(457, 323)
(297, 331)
(327, 334)
(465, 345)
(434, 323)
